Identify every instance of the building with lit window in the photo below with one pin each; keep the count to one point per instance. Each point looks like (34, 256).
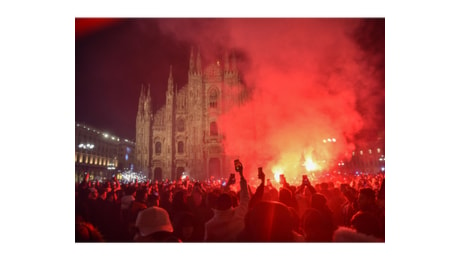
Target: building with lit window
(367, 159)
(183, 135)
(100, 154)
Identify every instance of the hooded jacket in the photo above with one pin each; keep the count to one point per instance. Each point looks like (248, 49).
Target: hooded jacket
(226, 225)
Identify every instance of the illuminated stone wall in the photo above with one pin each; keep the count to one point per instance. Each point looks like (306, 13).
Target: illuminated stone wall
(184, 134)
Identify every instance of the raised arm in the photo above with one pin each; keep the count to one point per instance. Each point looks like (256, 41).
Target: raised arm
(306, 182)
(244, 194)
(260, 190)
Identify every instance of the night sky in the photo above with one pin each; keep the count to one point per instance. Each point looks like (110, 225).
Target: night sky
(113, 58)
(313, 78)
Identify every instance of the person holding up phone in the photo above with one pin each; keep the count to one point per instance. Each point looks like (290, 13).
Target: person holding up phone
(228, 222)
(283, 182)
(306, 183)
(261, 174)
(260, 189)
(238, 167)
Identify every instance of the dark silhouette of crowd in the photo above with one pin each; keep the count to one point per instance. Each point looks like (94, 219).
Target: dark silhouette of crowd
(340, 208)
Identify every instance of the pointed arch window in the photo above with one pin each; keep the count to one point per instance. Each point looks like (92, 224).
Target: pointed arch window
(157, 148)
(180, 147)
(213, 95)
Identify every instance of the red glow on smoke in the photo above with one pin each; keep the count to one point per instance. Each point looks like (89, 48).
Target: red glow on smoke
(85, 26)
(307, 76)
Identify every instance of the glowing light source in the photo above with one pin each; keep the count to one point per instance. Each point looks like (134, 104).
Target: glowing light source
(324, 141)
(277, 171)
(310, 165)
(329, 140)
(105, 135)
(86, 146)
(333, 140)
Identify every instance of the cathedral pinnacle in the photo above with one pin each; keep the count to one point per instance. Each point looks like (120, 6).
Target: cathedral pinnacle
(198, 61)
(170, 80)
(192, 61)
(147, 104)
(141, 97)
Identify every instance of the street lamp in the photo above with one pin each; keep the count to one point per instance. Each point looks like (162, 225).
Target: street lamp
(86, 146)
(83, 148)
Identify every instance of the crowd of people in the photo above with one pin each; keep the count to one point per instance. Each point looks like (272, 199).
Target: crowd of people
(340, 208)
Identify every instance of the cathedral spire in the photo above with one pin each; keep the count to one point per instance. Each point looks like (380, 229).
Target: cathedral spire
(170, 80)
(142, 96)
(141, 99)
(198, 61)
(192, 61)
(147, 106)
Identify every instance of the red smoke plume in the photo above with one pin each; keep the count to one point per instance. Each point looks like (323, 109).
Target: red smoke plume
(310, 80)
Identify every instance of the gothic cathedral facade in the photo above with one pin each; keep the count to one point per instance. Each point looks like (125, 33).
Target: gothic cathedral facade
(183, 136)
